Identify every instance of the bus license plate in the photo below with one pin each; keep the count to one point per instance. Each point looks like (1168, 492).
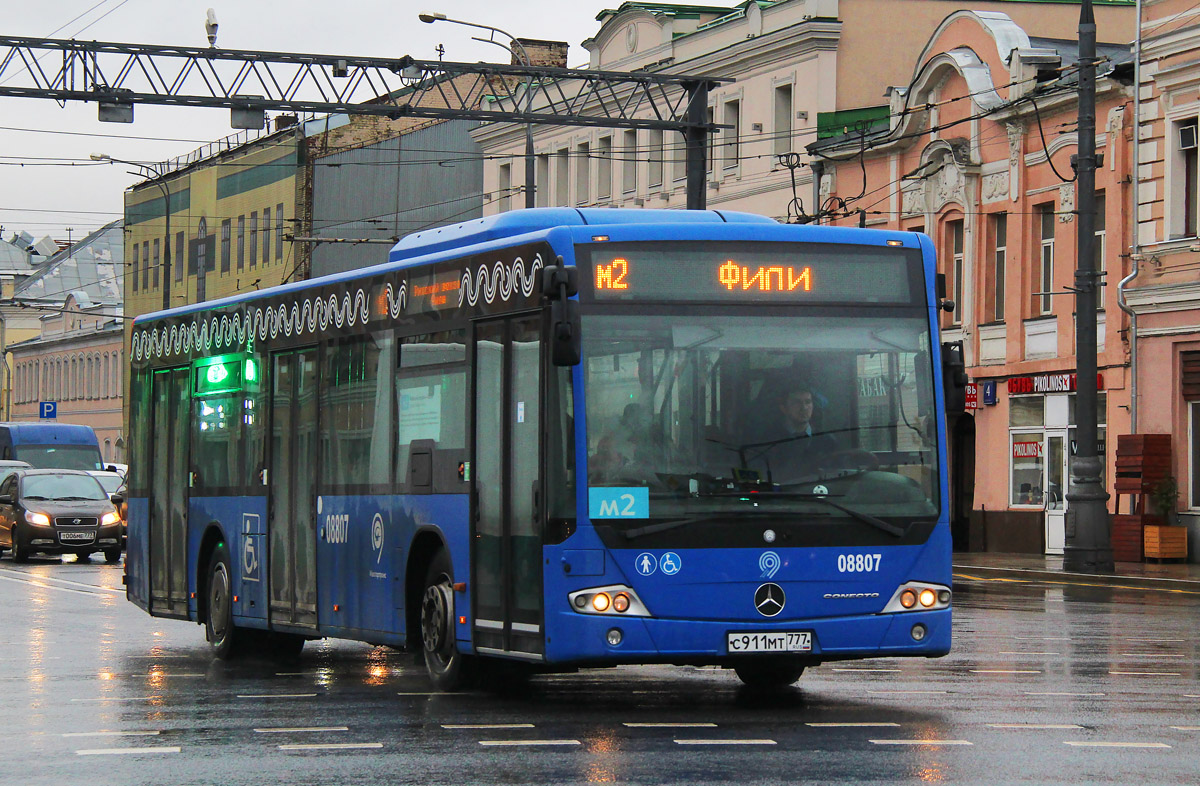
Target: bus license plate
(784, 641)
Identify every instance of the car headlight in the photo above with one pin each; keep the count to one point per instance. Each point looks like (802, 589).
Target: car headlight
(918, 596)
(108, 519)
(37, 519)
(616, 599)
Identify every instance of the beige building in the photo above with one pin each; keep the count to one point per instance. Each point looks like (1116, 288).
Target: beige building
(799, 69)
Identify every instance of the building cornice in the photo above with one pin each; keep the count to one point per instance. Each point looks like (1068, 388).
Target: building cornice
(1164, 298)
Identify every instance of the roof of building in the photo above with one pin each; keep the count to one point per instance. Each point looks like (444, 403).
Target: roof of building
(14, 261)
(93, 269)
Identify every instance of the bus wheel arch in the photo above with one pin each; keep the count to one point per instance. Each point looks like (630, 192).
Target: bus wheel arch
(424, 549)
(213, 537)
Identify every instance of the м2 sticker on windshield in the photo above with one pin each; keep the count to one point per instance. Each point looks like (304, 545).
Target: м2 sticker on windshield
(617, 502)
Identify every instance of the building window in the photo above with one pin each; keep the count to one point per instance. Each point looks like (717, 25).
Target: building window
(629, 159)
(1186, 135)
(504, 187)
(657, 155)
(1045, 277)
(179, 257)
(954, 244)
(733, 119)
(201, 260)
(226, 237)
(145, 264)
(783, 119)
(253, 238)
(279, 232)
(1194, 454)
(266, 235)
(154, 267)
(136, 258)
(583, 167)
(1098, 249)
(241, 246)
(562, 177)
(999, 259)
(542, 185)
(604, 168)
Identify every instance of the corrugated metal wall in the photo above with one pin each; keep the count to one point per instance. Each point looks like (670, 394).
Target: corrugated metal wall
(423, 179)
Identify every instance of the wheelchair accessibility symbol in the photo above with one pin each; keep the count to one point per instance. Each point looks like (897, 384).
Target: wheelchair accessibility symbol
(670, 563)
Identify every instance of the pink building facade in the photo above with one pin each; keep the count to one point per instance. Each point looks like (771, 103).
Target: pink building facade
(977, 154)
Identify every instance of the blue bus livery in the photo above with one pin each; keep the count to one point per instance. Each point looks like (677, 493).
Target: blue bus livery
(563, 438)
(51, 445)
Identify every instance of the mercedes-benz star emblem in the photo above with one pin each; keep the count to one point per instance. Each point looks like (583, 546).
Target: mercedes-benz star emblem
(769, 599)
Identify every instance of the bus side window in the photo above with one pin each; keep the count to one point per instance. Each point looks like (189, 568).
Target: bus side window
(431, 404)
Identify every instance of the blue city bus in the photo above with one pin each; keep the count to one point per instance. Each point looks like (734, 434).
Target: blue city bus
(51, 445)
(558, 438)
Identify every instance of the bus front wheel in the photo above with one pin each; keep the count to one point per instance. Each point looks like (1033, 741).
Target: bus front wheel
(449, 669)
(223, 636)
(769, 673)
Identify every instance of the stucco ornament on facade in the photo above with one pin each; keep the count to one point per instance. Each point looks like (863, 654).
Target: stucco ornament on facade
(948, 184)
(995, 187)
(913, 198)
(1016, 132)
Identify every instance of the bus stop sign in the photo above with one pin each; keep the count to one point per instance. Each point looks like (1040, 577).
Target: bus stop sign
(48, 409)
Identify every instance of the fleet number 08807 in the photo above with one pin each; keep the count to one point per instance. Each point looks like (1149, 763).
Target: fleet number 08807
(858, 563)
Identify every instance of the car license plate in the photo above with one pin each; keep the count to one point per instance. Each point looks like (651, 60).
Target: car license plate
(782, 641)
(77, 537)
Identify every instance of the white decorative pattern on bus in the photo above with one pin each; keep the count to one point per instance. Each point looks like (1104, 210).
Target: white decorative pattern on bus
(230, 331)
(503, 281)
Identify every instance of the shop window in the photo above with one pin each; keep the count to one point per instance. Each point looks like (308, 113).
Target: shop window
(1024, 411)
(1028, 466)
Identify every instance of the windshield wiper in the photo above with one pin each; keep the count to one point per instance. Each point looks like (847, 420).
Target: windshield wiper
(71, 499)
(865, 518)
(34, 496)
(664, 526)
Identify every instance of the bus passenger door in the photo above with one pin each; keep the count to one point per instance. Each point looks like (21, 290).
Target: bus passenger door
(507, 553)
(291, 499)
(169, 492)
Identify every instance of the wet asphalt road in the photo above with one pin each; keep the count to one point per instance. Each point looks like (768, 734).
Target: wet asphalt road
(1047, 684)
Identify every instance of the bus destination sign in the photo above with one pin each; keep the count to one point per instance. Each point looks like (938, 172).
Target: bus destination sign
(759, 272)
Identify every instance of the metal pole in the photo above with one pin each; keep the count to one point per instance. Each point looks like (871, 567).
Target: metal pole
(1088, 541)
(694, 143)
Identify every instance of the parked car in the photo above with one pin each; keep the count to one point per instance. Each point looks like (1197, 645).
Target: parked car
(113, 482)
(58, 511)
(8, 466)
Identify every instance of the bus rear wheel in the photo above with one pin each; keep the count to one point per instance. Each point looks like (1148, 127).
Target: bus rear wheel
(448, 669)
(768, 673)
(224, 638)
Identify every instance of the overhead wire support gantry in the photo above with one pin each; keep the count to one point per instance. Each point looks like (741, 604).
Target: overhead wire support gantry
(122, 75)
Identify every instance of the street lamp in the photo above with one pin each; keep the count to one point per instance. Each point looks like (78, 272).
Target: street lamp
(491, 39)
(160, 181)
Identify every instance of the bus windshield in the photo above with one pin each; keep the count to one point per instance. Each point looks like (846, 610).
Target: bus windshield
(718, 414)
(59, 456)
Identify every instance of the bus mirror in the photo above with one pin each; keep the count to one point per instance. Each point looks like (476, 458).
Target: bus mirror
(565, 343)
(560, 282)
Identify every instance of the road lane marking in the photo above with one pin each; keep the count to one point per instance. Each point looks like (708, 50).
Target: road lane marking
(332, 746)
(726, 742)
(125, 751)
(520, 743)
(1005, 671)
(1191, 695)
(1147, 673)
(1116, 744)
(861, 725)
(1186, 728)
(123, 698)
(1034, 726)
(92, 589)
(276, 695)
(487, 726)
(1148, 655)
(1041, 638)
(1059, 693)
(1013, 652)
(921, 742)
(299, 729)
(429, 693)
(681, 725)
(1172, 641)
(870, 670)
(907, 692)
(112, 733)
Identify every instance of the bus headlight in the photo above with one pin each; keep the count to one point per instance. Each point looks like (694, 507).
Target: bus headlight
(37, 519)
(918, 596)
(613, 600)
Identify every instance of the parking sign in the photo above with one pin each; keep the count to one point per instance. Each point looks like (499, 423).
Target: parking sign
(48, 409)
